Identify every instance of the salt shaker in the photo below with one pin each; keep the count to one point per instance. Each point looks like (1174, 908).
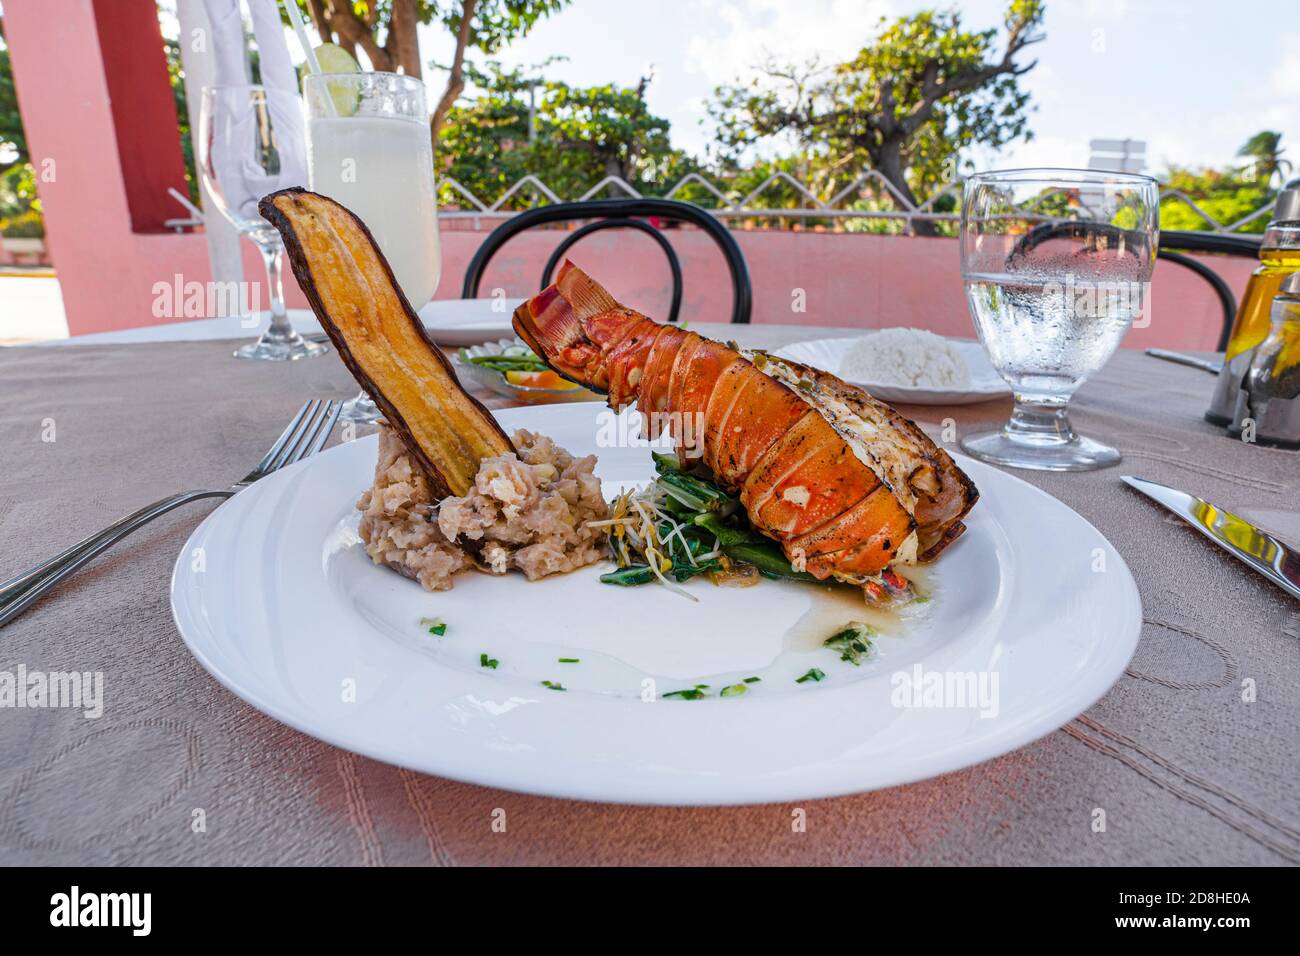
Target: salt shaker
(1269, 398)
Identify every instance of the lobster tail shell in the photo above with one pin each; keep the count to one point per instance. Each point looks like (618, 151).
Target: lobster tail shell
(845, 483)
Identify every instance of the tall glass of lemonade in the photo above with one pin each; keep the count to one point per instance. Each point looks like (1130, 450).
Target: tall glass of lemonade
(369, 148)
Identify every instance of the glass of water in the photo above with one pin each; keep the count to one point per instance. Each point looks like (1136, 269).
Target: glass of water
(369, 148)
(1057, 265)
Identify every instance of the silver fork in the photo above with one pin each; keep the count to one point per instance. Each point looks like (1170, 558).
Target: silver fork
(306, 435)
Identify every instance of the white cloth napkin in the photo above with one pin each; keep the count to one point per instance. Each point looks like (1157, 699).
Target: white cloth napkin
(237, 153)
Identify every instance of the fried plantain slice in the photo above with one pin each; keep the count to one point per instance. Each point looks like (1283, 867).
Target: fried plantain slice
(382, 341)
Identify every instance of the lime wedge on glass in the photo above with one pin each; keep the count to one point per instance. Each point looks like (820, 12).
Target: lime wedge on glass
(334, 59)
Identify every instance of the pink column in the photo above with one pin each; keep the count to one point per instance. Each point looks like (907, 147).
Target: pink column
(106, 270)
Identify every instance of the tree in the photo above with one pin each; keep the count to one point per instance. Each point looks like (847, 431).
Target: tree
(578, 136)
(1265, 150)
(483, 143)
(176, 78)
(588, 133)
(905, 105)
(386, 31)
(20, 207)
(13, 143)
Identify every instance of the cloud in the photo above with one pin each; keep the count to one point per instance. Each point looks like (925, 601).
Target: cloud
(1051, 151)
(1286, 75)
(1107, 9)
(736, 36)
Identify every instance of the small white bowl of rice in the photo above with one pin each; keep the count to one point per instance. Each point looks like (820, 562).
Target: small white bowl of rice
(906, 365)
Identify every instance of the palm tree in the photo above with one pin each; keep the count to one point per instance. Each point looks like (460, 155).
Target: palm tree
(1265, 149)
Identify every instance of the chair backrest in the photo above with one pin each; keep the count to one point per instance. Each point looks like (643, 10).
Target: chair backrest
(1174, 243)
(625, 214)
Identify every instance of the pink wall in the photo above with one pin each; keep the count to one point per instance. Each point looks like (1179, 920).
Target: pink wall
(107, 271)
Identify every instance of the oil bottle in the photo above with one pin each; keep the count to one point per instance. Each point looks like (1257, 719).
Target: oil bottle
(1279, 256)
(1270, 395)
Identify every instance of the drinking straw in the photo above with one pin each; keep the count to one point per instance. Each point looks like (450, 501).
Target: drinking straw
(300, 28)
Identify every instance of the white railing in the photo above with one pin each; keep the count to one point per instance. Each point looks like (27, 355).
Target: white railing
(750, 205)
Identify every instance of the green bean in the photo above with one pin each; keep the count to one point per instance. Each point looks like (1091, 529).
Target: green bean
(509, 364)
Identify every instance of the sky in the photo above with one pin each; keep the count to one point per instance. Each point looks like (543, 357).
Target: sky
(1193, 78)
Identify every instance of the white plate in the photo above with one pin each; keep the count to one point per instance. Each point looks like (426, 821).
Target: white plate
(469, 321)
(274, 595)
(985, 383)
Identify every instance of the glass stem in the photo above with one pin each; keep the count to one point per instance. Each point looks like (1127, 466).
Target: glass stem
(272, 256)
(1039, 420)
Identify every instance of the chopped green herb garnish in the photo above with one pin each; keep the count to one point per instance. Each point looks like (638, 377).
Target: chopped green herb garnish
(569, 660)
(695, 694)
(552, 685)
(735, 690)
(852, 642)
(434, 625)
(485, 661)
(813, 674)
(752, 680)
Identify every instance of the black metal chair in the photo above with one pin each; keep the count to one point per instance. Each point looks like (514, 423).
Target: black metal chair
(621, 214)
(1174, 243)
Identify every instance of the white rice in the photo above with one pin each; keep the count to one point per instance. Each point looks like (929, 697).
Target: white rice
(910, 357)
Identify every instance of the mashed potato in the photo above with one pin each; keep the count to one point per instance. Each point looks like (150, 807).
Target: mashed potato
(527, 511)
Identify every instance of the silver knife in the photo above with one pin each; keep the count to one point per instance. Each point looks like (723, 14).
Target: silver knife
(1276, 560)
(1213, 366)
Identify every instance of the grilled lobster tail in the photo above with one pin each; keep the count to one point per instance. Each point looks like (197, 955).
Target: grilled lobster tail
(846, 484)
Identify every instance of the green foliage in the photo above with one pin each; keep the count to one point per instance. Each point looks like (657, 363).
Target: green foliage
(13, 144)
(580, 135)
(1227, 195)
(20, 207)
(176, 77)
(27, 225)
(495, 22)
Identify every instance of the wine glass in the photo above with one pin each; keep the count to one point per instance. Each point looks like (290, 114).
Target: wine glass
(250, 143)
(1057, 264)
(369, 148)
